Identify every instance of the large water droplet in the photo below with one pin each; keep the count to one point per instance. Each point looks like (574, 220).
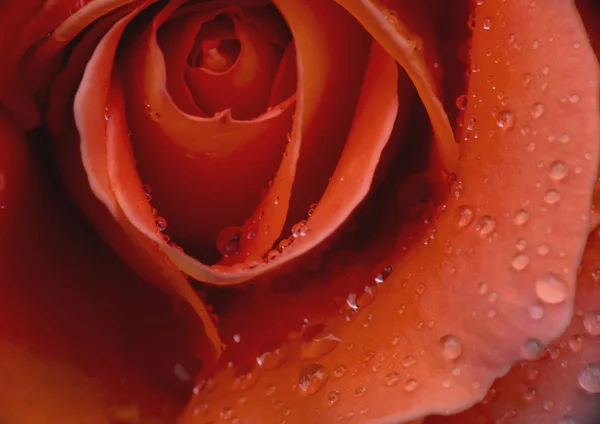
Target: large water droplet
(312, 378)
(591, 322)
(589, 378)
(320, 345)
(451, 347)
(552, 289)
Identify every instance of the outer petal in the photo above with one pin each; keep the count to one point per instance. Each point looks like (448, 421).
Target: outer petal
(63, 295)
(561, 387)
(449, 319)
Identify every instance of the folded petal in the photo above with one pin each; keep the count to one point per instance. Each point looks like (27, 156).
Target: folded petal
(441, 321)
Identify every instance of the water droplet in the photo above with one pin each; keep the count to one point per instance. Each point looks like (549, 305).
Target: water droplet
(299, 229)
(227, 413)
(532, 349)
(482, 288)
(506, 120)
(530, 394)
(552, 197)
(312, 378)
(550, 288)
(519, 262)
(161, 223)
(461, 102)
(339, 371)
(463, 215)
(574, 98)
(333, 397)
(558, 170)
(591, 322)
(486, 225)
(548, 406)
(521, 245)
(311, 209)
(320, 345)
(537, 110)
(270, 389)
(487, 23)
(228, 241)
(536, 312)
(391, 379)
(409, 361)
(367, 296)
(411, 385)
(589, 378)
(271, 360)
(451, 347)
(543, 249)
(385, 273)
(360, 391)
(576, 343)
(351, 301)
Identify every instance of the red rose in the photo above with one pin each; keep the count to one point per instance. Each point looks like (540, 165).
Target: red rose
(268, 166)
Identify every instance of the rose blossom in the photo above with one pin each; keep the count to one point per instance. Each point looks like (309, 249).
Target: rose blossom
(323, 244)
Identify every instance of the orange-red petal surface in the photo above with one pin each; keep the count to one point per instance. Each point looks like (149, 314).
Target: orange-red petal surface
(449, 320)
(563, 386)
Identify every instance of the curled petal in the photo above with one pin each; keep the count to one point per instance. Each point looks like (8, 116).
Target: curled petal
(447, 320)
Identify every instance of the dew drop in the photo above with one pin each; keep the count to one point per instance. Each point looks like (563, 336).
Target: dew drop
(451, 347)
(591, 322)
(360, 391)
(506, 120)
(385, 273)
(463, 215)
(411, 385)
(573, 98)
(227, 413)
(551, 289)
(543, 249)
(270, 389)
(548, 406)
(312, 378)
(311, 209)
(320, 345)
(409, 361)
(161, 223)
(391, 379)
(589, 378)
(532, 349)
(552, 197)
(271, 360)
(333, 397)
(536, 312)
(530, 394)
(228, 240)
(461, 102)
(339, 371)
(487, 23)
(299, 229)
(537, 110)
(486, 225)
(519, 262)
(558, 170)
(576, 343)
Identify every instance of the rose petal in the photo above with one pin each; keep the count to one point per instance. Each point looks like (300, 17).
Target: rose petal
(388, 23)
(550, 389)
(92, 113)
(62, 298)
(449, 319)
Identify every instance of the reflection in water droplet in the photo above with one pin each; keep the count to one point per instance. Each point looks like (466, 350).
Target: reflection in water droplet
(411, 385)
(333, 397)
(532, 349)
(550, 288)
(451, 347)
(589, 378)
(591, 322)
(463, 215)
(486, 225)
(312, 378)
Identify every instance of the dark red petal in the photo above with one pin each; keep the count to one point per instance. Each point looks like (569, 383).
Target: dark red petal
(563, 386)
(63, 298)
(463, 304)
